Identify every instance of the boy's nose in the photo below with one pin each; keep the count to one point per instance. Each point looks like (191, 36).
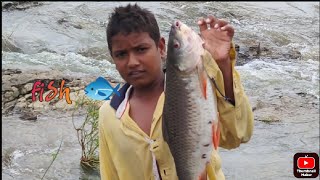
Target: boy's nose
(133, 61)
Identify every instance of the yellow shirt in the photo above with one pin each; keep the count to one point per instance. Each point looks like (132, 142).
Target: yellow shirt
(126, 152)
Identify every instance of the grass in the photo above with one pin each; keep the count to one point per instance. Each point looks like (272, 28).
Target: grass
(87, 132)
(54, 156)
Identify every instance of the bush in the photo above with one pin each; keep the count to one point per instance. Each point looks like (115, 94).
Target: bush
(88, 131)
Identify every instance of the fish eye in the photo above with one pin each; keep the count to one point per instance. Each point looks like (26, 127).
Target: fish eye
(92, 89)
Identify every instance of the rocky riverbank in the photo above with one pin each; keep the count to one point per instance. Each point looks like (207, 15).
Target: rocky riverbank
(17, 96)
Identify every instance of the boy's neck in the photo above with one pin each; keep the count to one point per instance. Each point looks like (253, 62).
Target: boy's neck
(155, 89)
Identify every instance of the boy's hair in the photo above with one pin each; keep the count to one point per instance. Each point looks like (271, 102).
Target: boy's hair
(132, 18)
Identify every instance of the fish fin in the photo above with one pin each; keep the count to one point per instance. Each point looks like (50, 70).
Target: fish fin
(202, 79)
(101, 93)
(108, 98)
(216, 134)
(102, 81)
(115, 90)
(203, 175)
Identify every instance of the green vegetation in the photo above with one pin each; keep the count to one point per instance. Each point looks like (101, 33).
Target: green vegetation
(88, 132)
(54, 156)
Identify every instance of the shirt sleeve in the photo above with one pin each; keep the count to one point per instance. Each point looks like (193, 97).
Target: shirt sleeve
(236, 121)
(107, 169)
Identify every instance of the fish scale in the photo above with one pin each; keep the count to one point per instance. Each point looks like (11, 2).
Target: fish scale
(188, 116)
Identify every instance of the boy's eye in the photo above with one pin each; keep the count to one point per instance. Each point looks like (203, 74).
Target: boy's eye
(141, 49)
(120, 54)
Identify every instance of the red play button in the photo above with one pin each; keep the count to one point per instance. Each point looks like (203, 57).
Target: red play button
(306, 162)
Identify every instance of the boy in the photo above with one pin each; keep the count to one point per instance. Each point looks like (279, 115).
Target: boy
(131, 146)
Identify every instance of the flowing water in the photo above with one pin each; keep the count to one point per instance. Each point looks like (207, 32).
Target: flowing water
(71, 37)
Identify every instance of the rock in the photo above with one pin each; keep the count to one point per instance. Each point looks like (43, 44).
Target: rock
(22, 103)
(26, 88)
(5, 86)
(11, 71)
(8, 107)
(7, 5)
(23, 5)
(302, 94)
(62, 20)
(15, 92)
(28, 98)
(36, 105)
(294, 54)
(8, 96)
(255, 50)
(61, 105)
(77, 26)
(242, 59)
(268, 119)
(77, 89)
(28, 115)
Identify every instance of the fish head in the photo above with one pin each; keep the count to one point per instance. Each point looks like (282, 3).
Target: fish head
(90, 89)
(184, 47)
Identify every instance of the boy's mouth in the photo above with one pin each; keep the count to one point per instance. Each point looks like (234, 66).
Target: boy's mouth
(136, 73)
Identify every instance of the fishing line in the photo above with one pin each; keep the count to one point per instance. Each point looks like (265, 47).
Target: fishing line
(225, 97)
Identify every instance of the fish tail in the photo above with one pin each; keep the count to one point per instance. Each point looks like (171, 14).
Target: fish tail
(115, 90)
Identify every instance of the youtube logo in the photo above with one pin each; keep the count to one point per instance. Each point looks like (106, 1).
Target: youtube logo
(306, 162)
(306, 165)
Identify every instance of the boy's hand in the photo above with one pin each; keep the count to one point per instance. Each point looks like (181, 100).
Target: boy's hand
(217, 35)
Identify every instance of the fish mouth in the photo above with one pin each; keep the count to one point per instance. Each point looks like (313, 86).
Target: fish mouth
(85, 92)
(176, 25)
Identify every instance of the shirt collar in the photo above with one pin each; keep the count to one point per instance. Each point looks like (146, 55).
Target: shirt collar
(119, 103)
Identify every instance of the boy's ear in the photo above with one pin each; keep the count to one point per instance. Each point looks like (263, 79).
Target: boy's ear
(162, 47)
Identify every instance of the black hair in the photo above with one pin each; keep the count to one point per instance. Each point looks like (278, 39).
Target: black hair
(132, 18)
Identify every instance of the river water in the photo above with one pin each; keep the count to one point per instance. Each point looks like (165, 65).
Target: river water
(70, 36)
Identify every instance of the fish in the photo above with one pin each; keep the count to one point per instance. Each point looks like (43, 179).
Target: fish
(190, 124)
(101, 89)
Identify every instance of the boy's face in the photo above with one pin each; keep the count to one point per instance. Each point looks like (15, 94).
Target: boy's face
(137, 58)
